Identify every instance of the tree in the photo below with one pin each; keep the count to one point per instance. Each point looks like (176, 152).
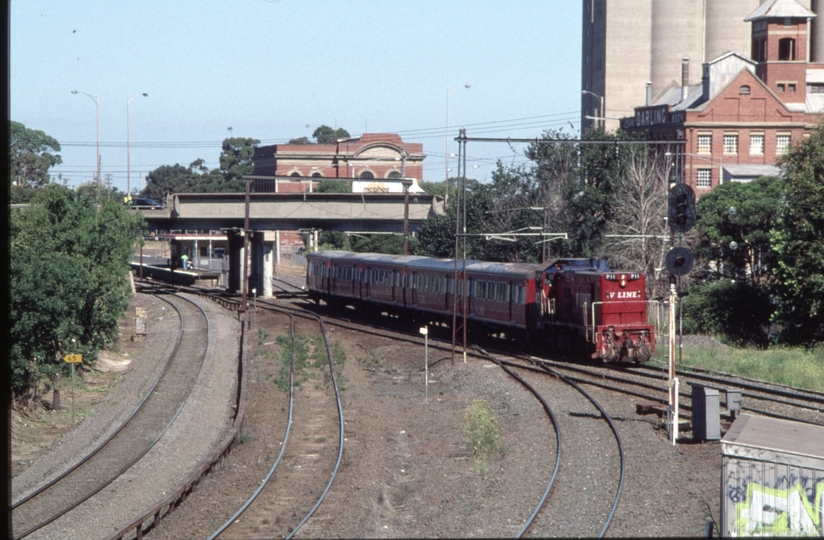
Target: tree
(334, 186)
(236, 160)
(325, 135)
(31, 154)
(637, 211)
(739, 311)
(300, 141)
(734, 223)
(68, 283)
(798, 240)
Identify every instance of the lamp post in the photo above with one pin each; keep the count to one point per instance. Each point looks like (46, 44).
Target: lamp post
(600, 106)
(446, 152)
(128, 146)
(407, 183)
(97, 107)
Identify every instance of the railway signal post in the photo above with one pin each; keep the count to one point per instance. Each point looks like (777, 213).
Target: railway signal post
(681, 218)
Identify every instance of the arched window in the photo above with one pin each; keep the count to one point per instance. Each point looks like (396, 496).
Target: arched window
(367, 175)
(295, 174)
(744, 90)
(786, 49)
(317, 175)
(394, 174)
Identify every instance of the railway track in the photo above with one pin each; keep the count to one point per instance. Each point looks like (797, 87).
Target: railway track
(132, 440)
(277, 493)
(291, 441)
(585, 451)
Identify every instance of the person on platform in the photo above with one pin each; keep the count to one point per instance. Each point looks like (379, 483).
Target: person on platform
(185, 259)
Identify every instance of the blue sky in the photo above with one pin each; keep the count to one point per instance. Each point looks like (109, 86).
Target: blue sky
(276, 69)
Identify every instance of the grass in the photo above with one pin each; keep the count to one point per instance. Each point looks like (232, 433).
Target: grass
(481, 428)
(797, 367)
(310, 360)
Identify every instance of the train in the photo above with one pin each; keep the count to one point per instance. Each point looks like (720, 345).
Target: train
(576, 307)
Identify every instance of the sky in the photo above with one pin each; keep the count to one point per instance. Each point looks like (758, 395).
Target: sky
(275, 70)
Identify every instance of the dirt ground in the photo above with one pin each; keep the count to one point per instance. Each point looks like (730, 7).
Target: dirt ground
(407, 468)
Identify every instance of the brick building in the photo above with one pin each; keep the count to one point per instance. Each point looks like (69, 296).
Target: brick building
(745, 112)
(372, 156)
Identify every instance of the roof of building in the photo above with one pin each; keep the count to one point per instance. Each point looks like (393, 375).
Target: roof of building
(779, 8)
(748, 172)
(672, 97)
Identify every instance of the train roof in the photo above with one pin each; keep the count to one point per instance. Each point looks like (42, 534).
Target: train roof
(440, 264)
(503, 268)
(574, 264)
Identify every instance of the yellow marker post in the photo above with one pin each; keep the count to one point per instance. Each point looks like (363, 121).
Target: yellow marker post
(73, 359)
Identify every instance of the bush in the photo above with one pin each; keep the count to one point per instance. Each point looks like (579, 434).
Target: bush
(736, 311)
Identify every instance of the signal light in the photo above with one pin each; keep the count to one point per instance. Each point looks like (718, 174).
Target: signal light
(681, 208)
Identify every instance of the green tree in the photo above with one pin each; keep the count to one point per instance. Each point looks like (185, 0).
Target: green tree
(69, 263)
(738, 311)
(334, 186)
(798, 241)
(236, 161)
(325, 135)
(31, 154)
(300, 141)
(734, 223)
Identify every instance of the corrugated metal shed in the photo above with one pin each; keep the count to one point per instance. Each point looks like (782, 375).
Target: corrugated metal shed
(772, 478)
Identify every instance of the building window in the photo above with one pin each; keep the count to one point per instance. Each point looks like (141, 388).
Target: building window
(782, 144)
(815, 88)
(317, 175)
(780, 87)
(788, 22)
(367, 175)
(791, 87)
(757, 144)
(394, 174)
(704, 179)
(704, 144)
(786, 49)
(744, 90)
(295, 174)
(730, 143)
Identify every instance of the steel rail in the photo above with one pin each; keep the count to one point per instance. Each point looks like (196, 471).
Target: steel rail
(143, 453)
(120, 428)
(271, 473)
(341, 435)
(614, 429)
(552, 419)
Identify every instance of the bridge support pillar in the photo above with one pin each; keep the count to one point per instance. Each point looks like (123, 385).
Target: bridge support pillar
(269, 242)
(256, 280)
(237, 259)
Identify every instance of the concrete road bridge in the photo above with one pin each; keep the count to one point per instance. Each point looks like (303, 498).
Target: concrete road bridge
(272, 212)
(357, 212)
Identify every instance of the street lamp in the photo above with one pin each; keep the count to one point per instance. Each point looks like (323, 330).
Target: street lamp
(446, 152)
(600, 107)
(128, 155)
(407, 183)
(97, 107)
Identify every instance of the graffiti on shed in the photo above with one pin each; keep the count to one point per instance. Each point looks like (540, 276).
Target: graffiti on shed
(796, 510)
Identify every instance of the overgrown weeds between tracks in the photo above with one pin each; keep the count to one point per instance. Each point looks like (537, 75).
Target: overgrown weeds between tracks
(481, 428)
(797, 367)
(310, 360)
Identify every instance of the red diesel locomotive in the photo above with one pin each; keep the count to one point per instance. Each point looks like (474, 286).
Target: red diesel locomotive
(570, 304)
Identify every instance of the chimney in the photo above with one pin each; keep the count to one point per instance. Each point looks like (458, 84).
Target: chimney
(685, 77)
(649, 93)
